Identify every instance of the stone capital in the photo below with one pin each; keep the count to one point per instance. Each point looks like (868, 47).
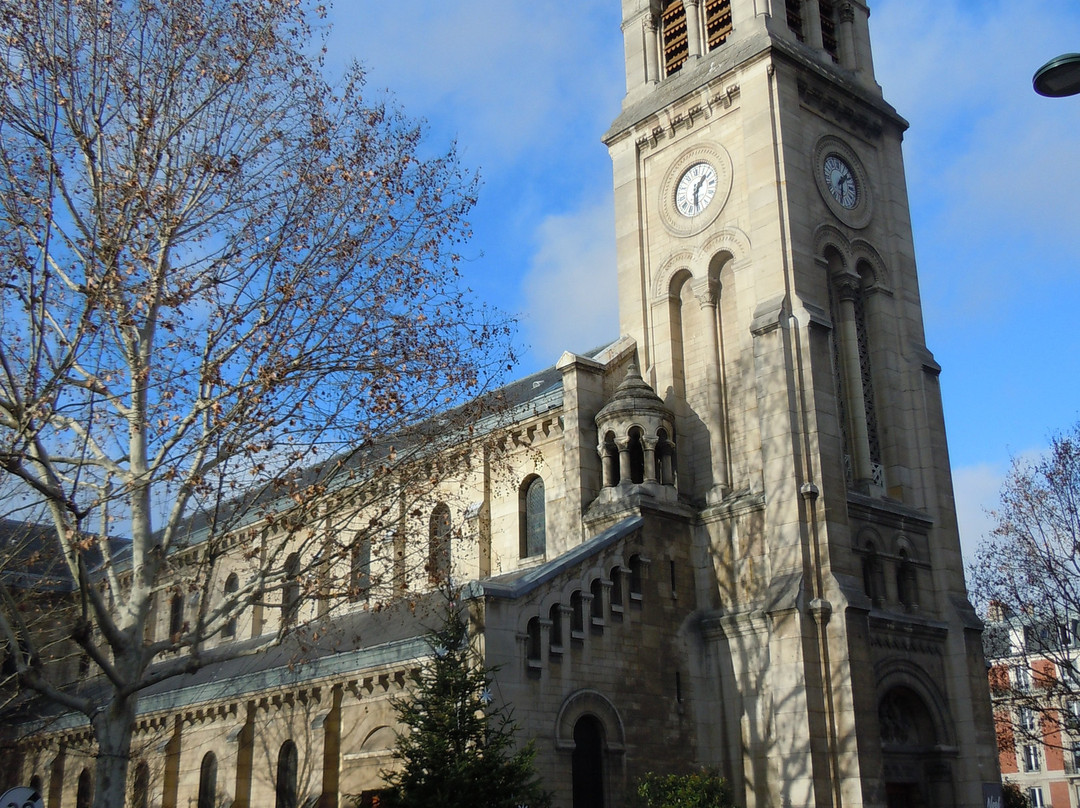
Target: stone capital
(847, 286)
(705, 290)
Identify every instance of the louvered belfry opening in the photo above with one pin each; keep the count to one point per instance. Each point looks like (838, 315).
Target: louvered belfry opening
(828, 28)
(717, 23)
(794, 18)
(676, 46)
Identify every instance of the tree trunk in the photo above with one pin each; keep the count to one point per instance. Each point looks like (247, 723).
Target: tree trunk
(113, 726)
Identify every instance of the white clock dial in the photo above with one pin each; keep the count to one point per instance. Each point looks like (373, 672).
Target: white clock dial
(840, 180)
(696, 189)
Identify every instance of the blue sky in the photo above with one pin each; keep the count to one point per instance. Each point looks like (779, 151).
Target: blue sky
(527, 88)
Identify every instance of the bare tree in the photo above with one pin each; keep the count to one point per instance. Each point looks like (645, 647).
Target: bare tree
(1027, 575)
(230, 302)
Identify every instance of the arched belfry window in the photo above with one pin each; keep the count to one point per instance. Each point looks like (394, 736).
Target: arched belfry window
(717, 23)
(906, 582)
(438, 563)
(674, 38)
(637, 456)
(873, 576)
(794, 17)
(855, 380)
(827, 9)
(533, 518)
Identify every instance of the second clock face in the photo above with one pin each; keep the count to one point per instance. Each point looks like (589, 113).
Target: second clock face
(696, 189)
(840, 180)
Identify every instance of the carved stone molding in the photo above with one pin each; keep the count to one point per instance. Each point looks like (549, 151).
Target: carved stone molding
(834, 107)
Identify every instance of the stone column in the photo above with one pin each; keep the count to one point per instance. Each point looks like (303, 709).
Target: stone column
(693, 28)
(667, 472)
(845, 36)
(706, 292)
(608, 461)
(652, 50)
(566, 615)
(649, 445)
(625, 473)
(811, 20)
(855, 400)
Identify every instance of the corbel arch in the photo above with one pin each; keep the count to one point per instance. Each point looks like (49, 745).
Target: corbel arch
(829, 236)
(589, 702)
(664, 285)
(894, 675)
(730, 240)
(863, 253)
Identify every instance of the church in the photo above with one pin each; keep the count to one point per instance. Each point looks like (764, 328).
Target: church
(725, 539)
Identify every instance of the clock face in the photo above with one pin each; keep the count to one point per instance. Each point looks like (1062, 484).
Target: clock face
(840, 180)
(696, 188)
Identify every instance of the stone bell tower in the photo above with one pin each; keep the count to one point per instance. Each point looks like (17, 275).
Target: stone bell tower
(766, 270)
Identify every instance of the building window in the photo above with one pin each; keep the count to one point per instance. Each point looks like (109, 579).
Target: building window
(360, 569)
(635, 577)
(290, 592)
(1035, 797)
(828, 28)
(555, 634)
(438, 563)
(1031, 758)
(794, 18)
(84, 793)
(851, 348)
(208, 782)
(176, 616)
(140, 789)
(285, 781)
(597, 611)
(532, 651)
(533, 518)
(616, 589)
(676, 45)
(1021, 677)
(717, 22)
(577, 615)
(906, 585)
(1026, 719)
(232, 584)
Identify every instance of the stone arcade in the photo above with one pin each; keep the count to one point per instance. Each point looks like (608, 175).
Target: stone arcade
(730, 539)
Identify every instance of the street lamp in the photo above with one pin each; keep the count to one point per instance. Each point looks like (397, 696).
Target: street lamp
(1059, 77)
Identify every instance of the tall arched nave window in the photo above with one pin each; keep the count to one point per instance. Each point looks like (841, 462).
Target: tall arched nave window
(438, 563)
(533, 509)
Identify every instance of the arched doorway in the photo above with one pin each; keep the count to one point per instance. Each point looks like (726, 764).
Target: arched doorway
(916, 775)
(588, 763)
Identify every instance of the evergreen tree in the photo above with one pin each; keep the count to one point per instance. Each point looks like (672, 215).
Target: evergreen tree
(458, 748)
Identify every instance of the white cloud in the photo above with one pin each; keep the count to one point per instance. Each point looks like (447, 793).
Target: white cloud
(502, 74)
(975, 489)
(569, 289)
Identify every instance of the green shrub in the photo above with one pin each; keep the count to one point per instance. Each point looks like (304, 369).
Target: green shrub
(701, 789)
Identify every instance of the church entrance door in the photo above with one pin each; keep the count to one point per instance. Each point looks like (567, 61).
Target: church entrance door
(588, 763)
